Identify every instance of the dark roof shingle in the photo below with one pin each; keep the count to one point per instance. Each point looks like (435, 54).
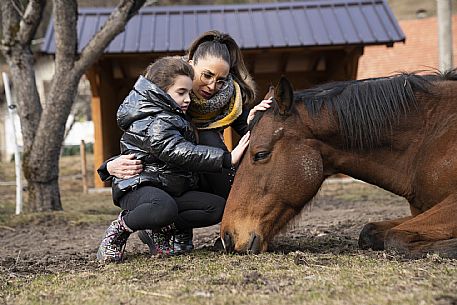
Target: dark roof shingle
(261, 25)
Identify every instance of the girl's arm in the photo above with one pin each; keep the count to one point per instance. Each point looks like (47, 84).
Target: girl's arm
(166, 142)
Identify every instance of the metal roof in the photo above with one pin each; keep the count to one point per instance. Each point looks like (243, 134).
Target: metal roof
(260, 25)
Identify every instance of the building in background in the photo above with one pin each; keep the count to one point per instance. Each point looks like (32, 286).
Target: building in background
(420, 51)
(308, 41)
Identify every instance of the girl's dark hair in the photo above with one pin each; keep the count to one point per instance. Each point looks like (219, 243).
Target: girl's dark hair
(221, 45)
(164, 71)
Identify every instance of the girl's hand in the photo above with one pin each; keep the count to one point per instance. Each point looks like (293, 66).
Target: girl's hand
(238, 151)
(124, 166)
(262, 106)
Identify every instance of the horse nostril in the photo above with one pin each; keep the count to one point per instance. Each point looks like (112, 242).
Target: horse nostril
(228, 243)
(254, 244)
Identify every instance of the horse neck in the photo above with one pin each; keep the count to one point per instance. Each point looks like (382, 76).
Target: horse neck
(369, 166)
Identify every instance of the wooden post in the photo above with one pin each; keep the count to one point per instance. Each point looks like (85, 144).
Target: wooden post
(99, 152)
(228, 138)
(82, 150)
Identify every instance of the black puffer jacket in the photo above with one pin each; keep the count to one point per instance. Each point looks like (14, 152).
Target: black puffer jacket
(158, 132)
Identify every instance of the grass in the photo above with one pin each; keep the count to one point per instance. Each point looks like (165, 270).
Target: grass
(78, 207)
(211, 278)
(207, 277)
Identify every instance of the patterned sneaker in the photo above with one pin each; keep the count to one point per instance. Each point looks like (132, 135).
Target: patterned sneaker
(148, 238)
(113, 244)
(164, 239)
(183, 241)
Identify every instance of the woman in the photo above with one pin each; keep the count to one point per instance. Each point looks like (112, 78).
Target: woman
(222, 89)
(157, 130)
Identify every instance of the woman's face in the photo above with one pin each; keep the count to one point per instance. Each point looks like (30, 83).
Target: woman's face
(210, 74)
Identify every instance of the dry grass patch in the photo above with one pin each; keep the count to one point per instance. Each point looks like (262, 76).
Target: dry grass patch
(213, 278)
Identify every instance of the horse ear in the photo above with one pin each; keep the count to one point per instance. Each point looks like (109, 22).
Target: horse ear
(284, 95)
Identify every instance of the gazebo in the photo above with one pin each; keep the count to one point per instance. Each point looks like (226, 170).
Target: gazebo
(309, 42)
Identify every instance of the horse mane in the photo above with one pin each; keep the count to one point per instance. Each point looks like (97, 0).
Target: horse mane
(365, 108)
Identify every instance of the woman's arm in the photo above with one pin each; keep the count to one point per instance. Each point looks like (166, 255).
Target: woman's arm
(123, 166)
(241, 124)
(262, 106)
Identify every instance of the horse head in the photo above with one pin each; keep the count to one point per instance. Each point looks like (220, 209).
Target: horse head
(278, 175)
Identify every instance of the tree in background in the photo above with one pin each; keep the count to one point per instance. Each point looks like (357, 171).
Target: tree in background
(43, 124)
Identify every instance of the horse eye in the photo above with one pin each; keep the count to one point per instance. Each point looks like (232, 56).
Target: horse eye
(261, 155)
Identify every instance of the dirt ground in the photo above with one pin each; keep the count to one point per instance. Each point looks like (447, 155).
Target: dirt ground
(49, 258)
(330, 224)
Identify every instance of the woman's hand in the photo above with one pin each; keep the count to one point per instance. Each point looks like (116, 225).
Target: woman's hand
(238, 151)
(124, 166)
(262, 106)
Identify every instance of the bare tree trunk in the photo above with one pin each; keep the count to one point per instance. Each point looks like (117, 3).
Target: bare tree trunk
(18, 54)
(43, 128)
(44, 158)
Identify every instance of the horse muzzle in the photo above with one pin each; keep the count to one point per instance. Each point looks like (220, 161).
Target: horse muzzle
(253, 245)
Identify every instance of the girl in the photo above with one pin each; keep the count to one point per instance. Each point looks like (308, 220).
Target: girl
(158, 132)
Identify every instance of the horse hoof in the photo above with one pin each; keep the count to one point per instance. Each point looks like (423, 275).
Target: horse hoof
(371, 238)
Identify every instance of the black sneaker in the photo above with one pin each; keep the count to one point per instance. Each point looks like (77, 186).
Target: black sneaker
(183, 241)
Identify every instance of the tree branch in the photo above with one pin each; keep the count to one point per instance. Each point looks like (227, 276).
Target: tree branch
(112, 27)
(30, 21)
(10, 26)
(18, 9)
(19, 57)
(65, 17)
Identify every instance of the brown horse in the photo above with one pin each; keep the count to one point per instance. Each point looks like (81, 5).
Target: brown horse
(399, 133)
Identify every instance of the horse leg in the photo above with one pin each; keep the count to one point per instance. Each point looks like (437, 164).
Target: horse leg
(373, 234)
(434, 231)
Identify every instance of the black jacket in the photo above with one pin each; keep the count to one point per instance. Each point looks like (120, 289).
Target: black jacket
(162, 137)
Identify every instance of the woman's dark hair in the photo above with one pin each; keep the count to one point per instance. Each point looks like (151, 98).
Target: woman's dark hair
(164, 71)
(221, 45)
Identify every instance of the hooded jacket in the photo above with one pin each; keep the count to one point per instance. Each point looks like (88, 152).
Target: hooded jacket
(158, 132)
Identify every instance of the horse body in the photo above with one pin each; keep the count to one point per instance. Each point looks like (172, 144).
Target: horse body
(406, 147)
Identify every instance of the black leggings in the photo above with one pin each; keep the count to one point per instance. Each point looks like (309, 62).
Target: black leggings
(214, 183)
(152, 208)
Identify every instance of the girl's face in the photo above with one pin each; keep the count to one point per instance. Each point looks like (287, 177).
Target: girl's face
(210, 76)
(180, 90)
